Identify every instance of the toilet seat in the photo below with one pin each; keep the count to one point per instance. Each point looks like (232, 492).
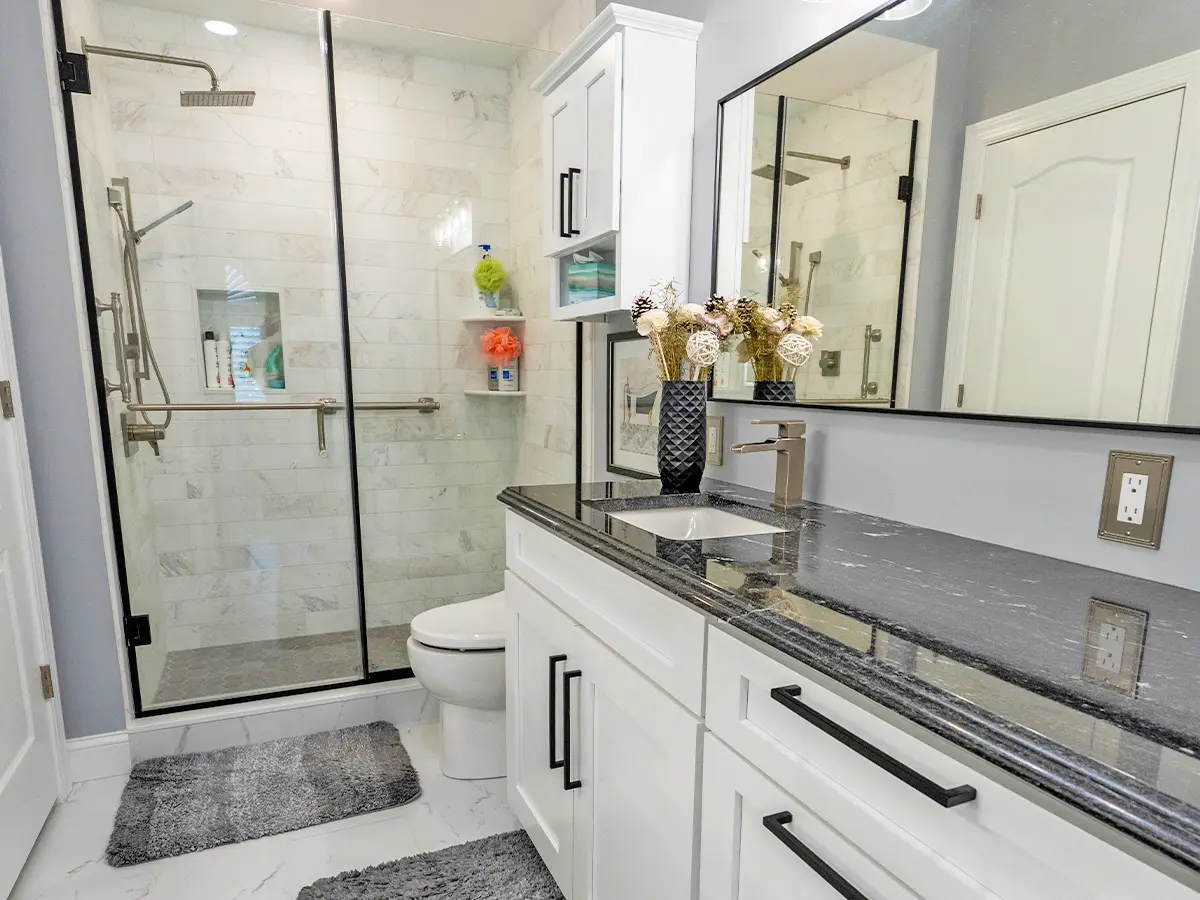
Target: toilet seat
(470, 625)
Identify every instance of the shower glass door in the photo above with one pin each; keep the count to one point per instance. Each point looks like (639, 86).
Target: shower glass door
(220, 332)
(841, 243)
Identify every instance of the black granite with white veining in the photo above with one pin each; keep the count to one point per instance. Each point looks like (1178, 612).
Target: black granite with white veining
(984, 645)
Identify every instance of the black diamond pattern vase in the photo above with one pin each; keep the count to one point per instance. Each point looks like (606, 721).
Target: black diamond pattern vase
(775, 391)
(681, 435)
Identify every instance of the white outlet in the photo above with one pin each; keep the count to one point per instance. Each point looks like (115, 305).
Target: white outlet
(1110, 647)
(1132, 504)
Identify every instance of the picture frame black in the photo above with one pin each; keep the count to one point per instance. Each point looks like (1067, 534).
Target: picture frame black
(610, 463)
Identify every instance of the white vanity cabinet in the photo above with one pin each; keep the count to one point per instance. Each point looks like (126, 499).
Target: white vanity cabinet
(602, 762)
(655, 756)
(618, 123)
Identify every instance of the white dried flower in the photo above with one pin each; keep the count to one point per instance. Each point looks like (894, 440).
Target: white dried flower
(770, 314)
(703, 348)
(794, 349)
(779, 326)
(692, 312)
(809, 327)
(651, 321)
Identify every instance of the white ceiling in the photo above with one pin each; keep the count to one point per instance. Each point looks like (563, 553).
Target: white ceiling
(513, 22)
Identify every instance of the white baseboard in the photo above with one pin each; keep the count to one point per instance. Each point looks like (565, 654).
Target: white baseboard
(99, 756)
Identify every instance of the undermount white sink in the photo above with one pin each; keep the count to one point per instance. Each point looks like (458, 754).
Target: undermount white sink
(693, 523)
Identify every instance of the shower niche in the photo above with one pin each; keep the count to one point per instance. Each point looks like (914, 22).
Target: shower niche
(241, 342)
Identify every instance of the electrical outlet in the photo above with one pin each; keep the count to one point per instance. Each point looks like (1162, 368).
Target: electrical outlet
(1135, 498)
(714, 453)
(1114, 641)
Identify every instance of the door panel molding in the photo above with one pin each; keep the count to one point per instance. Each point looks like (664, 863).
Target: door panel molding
(1183, 215)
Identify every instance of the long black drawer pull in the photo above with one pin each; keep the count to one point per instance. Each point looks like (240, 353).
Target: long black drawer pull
(554, 661)
(571, 173)
(563, 178)
(775, 825)
(568, 783)
(948, 797)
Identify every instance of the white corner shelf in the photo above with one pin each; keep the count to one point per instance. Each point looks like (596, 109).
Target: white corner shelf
(487, 320)
(486, 393)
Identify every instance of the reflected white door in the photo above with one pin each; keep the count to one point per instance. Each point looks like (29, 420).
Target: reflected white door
(28, 771)
(1066, 264)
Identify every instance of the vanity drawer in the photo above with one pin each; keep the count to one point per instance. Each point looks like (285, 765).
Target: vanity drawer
(1012, 846)
(759, 842)
(657, 634)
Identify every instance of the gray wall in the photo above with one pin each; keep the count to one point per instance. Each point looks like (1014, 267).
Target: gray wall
(1035, 488)
(36, 233)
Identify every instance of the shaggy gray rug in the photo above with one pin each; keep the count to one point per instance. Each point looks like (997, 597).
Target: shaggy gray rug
(501, 867)
(180, 804)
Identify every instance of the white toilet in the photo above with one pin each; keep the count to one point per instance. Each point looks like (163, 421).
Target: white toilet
(457, 653)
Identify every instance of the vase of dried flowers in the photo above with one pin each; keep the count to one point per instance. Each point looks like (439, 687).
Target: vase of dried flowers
(686, 340)
(776, 342)
(501, 349)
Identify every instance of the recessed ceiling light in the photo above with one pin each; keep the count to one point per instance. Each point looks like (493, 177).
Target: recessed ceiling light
(216, 26)
(906, 10)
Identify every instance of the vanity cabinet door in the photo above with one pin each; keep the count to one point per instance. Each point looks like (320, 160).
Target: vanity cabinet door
(758, 842)
(636, 754)
(539, 646)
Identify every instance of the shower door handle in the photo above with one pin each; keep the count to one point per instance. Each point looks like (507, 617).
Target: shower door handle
(571, 173)
(871, 335)
(563, 178)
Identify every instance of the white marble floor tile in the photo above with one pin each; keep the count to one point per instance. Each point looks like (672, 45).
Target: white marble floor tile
(68, 861)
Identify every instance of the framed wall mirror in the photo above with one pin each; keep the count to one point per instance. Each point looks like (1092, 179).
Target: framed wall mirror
(990, 205)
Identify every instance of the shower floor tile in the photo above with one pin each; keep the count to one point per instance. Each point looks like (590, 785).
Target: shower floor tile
(258, 667)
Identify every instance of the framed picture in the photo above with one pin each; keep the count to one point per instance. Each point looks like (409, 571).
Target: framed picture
(634, 400)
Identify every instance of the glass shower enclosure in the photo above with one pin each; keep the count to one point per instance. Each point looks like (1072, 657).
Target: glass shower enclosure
(282, 212)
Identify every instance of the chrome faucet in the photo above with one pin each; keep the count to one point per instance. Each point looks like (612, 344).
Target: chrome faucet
(789, 465)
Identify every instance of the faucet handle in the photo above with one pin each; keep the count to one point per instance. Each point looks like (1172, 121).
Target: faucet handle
(788, 428)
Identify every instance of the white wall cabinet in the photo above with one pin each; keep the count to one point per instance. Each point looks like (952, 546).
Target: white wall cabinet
(607, 680)
(619, 118)
(602, 764)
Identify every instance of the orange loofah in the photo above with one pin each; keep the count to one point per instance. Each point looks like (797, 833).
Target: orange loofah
(500, 346)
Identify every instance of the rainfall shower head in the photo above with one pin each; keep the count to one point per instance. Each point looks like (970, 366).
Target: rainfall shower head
(789, 177)
(213, 97)
(216, 97)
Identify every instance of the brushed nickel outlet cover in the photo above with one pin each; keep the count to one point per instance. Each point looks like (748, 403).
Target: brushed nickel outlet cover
(1157, 470)
(714, 454)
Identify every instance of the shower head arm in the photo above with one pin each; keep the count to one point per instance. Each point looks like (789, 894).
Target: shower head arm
(152, 57)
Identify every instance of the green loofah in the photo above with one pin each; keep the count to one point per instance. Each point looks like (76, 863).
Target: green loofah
(489, 275)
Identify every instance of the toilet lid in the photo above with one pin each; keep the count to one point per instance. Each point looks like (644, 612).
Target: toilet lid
(470, 625)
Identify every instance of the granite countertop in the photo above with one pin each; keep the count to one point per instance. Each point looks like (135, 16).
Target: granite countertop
(1003, 652)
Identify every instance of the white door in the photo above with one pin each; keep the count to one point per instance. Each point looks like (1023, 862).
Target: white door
(757, 842)
(28, 766)
(1066, 264)
(634, 752)
(563, 138)
(597, 185)
(538, 650)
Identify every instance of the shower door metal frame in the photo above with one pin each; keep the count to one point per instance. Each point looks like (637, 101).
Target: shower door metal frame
(72, 82)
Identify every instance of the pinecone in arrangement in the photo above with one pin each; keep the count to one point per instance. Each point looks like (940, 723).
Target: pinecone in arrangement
(716, 305)
(642, 305)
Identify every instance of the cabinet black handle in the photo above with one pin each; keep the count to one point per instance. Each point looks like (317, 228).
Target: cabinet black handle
(569, 784)
(948, 797)
(563, 178)
(571, 173)
(775, 825)
(554, 661)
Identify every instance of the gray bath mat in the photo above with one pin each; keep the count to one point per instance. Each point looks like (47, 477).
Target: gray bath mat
(180, 804)
(501, 867)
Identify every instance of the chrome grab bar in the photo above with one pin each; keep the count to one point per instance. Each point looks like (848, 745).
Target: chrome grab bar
(323, 407)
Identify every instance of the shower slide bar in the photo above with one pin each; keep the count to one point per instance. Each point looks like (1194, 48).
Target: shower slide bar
(323, 407)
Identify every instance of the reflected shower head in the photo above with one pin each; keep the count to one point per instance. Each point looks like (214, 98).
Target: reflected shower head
(216, 97)
(789, 177)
